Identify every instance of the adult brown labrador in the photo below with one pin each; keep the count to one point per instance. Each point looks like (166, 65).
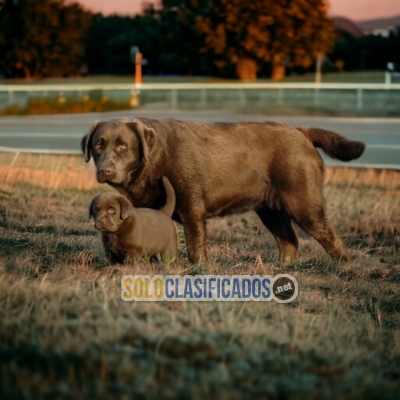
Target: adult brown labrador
(224, 168)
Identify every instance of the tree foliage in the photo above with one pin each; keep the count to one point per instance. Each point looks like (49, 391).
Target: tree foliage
(168, 43)
(367, 52)
(109, 42)
(184, 37)
(281, 32)
(42, 37)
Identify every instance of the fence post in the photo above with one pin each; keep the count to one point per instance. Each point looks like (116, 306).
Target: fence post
(280, 96)
(174, 98)
(10, 97)
(134, 98)
(388, 78)
(359, 99)
(61, 99)
(316, 97)
(242, 99)
(203, 97)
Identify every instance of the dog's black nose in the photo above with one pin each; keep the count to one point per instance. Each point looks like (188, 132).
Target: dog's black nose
(105, 171)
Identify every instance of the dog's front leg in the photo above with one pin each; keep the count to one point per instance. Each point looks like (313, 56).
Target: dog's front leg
(194, 226)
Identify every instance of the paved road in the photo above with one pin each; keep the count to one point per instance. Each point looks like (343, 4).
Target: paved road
(62, 133)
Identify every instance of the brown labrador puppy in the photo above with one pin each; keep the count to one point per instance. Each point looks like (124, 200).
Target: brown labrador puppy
(224, 168)
(131, 234)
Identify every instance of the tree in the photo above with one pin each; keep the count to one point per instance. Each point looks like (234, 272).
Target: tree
(379, 50)
(249, 33)
(180, 41)
(168, 41)
(367, 51)
(42, 37)
(109, 42)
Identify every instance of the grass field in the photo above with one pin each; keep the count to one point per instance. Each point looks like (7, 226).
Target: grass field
(65, 333)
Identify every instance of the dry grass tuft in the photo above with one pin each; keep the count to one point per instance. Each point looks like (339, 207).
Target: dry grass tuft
(66, 333)
(357, 177)
(49, 171)
(71, 171)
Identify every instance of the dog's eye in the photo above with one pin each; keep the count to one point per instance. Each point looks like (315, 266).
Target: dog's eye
(111, 210)
(98, 146)
(122, 147)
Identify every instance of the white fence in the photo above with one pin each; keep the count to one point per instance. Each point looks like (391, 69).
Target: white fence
(194, 86)
(354, 99)
(372, 99)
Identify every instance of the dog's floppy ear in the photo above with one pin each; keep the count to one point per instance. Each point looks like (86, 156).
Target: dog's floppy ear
(91, 215)
(146, 135)
(126, 206)
(86, 141)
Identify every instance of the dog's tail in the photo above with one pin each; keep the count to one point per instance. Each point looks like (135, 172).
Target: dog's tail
(169, 206)
(336, 146)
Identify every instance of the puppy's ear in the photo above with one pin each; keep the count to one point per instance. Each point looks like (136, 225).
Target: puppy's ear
(87, 141)
(147, 137)
(126, 207)
(91, 215)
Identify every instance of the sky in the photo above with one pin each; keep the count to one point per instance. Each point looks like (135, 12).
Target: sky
(356, 10)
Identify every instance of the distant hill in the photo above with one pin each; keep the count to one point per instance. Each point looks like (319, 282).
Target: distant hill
(346, 26)
(380, 23)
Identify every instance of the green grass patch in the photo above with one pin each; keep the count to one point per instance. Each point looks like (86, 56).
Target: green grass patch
(64, 105)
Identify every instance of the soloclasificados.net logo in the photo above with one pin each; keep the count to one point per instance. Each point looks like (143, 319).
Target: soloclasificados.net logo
(282, 288)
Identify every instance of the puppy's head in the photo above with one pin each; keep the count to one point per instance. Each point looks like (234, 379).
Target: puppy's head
(119, 147)
(109, 210)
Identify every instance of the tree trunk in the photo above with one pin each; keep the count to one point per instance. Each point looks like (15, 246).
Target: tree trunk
(278, 72)
(27, 72)
(278, 68)
(246, 69)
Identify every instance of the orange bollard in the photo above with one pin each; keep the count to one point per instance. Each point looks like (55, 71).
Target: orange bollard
(138, 68)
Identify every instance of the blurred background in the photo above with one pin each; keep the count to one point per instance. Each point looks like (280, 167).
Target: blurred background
(231, 60)
(278, 50)
(220, 38)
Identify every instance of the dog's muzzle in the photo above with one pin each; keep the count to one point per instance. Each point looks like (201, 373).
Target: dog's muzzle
(101, 227)
(105, 173)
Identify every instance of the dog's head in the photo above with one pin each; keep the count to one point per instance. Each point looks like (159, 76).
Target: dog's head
(109, 210)
(119, 147)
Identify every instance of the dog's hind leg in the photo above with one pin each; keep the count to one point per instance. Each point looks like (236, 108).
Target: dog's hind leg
(280, 225)
(321, 230)
(308, 212)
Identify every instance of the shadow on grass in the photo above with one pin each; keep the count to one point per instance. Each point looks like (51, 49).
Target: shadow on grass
(46, 229)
